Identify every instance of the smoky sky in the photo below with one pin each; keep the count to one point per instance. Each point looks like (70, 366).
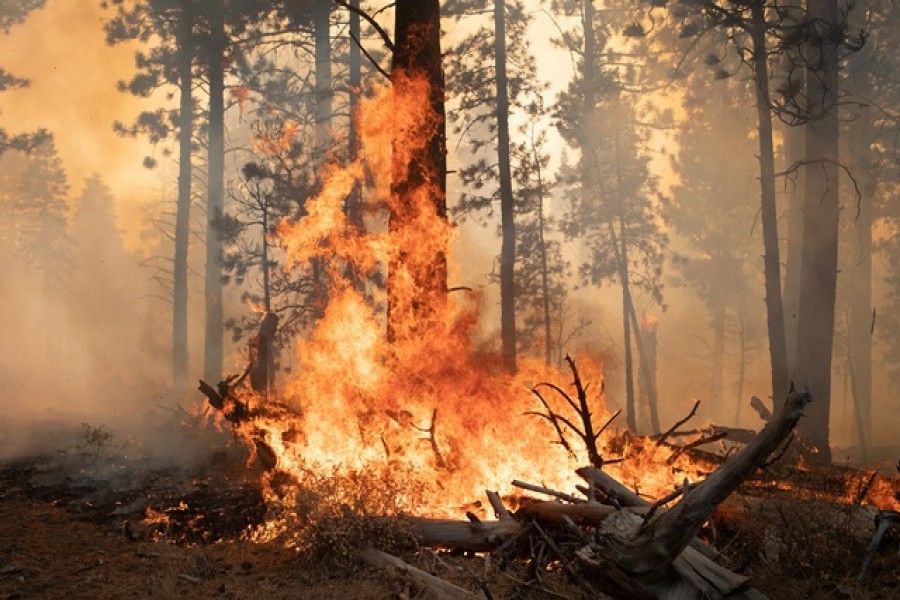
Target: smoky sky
(61, 49)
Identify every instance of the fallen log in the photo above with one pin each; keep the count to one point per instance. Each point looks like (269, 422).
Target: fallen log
(649, 560)
(463, 536)
(442, 590)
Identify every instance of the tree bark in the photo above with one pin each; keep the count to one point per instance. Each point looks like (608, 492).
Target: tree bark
(815, 336)
(180, 365)
(507, 212)
(213, 350)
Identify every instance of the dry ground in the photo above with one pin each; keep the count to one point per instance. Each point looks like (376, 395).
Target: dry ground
(62, 542)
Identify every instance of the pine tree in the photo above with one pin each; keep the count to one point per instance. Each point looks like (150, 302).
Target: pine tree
(491, 75)
(12, 14)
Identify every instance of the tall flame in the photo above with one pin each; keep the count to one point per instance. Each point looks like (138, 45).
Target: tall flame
(424, 402)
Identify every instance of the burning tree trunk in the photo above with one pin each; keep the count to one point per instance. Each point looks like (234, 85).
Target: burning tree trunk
(417, 280)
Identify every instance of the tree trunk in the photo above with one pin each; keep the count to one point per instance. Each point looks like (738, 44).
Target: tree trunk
(860, 267)
(648, 384)
(507, 213)
(647, 370)
(545, 274)
(588, 71)
(769, 213)
(417, 53)
(649, 351)
(794, 145)
(587, 163)
(323, 115)
(264, 263)
(213, 351)
(794, 150)
(742, 358)
(815, 331)
(262, 355)
(354, 200)
(183, 208)
(322, 35)
(622, 261)
(718, 350)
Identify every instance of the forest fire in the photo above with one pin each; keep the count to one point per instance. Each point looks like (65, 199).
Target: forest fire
(478, 275)
(416, 407)
(436, 421)
(426, 405)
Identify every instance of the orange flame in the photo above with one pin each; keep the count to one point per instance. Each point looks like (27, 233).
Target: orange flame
(426, 402)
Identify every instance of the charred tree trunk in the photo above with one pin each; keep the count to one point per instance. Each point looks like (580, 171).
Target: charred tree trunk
(820, 226)
(507, 212)
(213, 350)
(417, 54)
(183, 209)
(774, 308)
(262, 355)
(354, 200)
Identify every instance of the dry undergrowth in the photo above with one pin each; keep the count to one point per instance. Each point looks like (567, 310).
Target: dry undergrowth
(328, 518)
(803, 548)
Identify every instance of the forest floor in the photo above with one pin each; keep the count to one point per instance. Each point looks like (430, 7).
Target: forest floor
(66, 533)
